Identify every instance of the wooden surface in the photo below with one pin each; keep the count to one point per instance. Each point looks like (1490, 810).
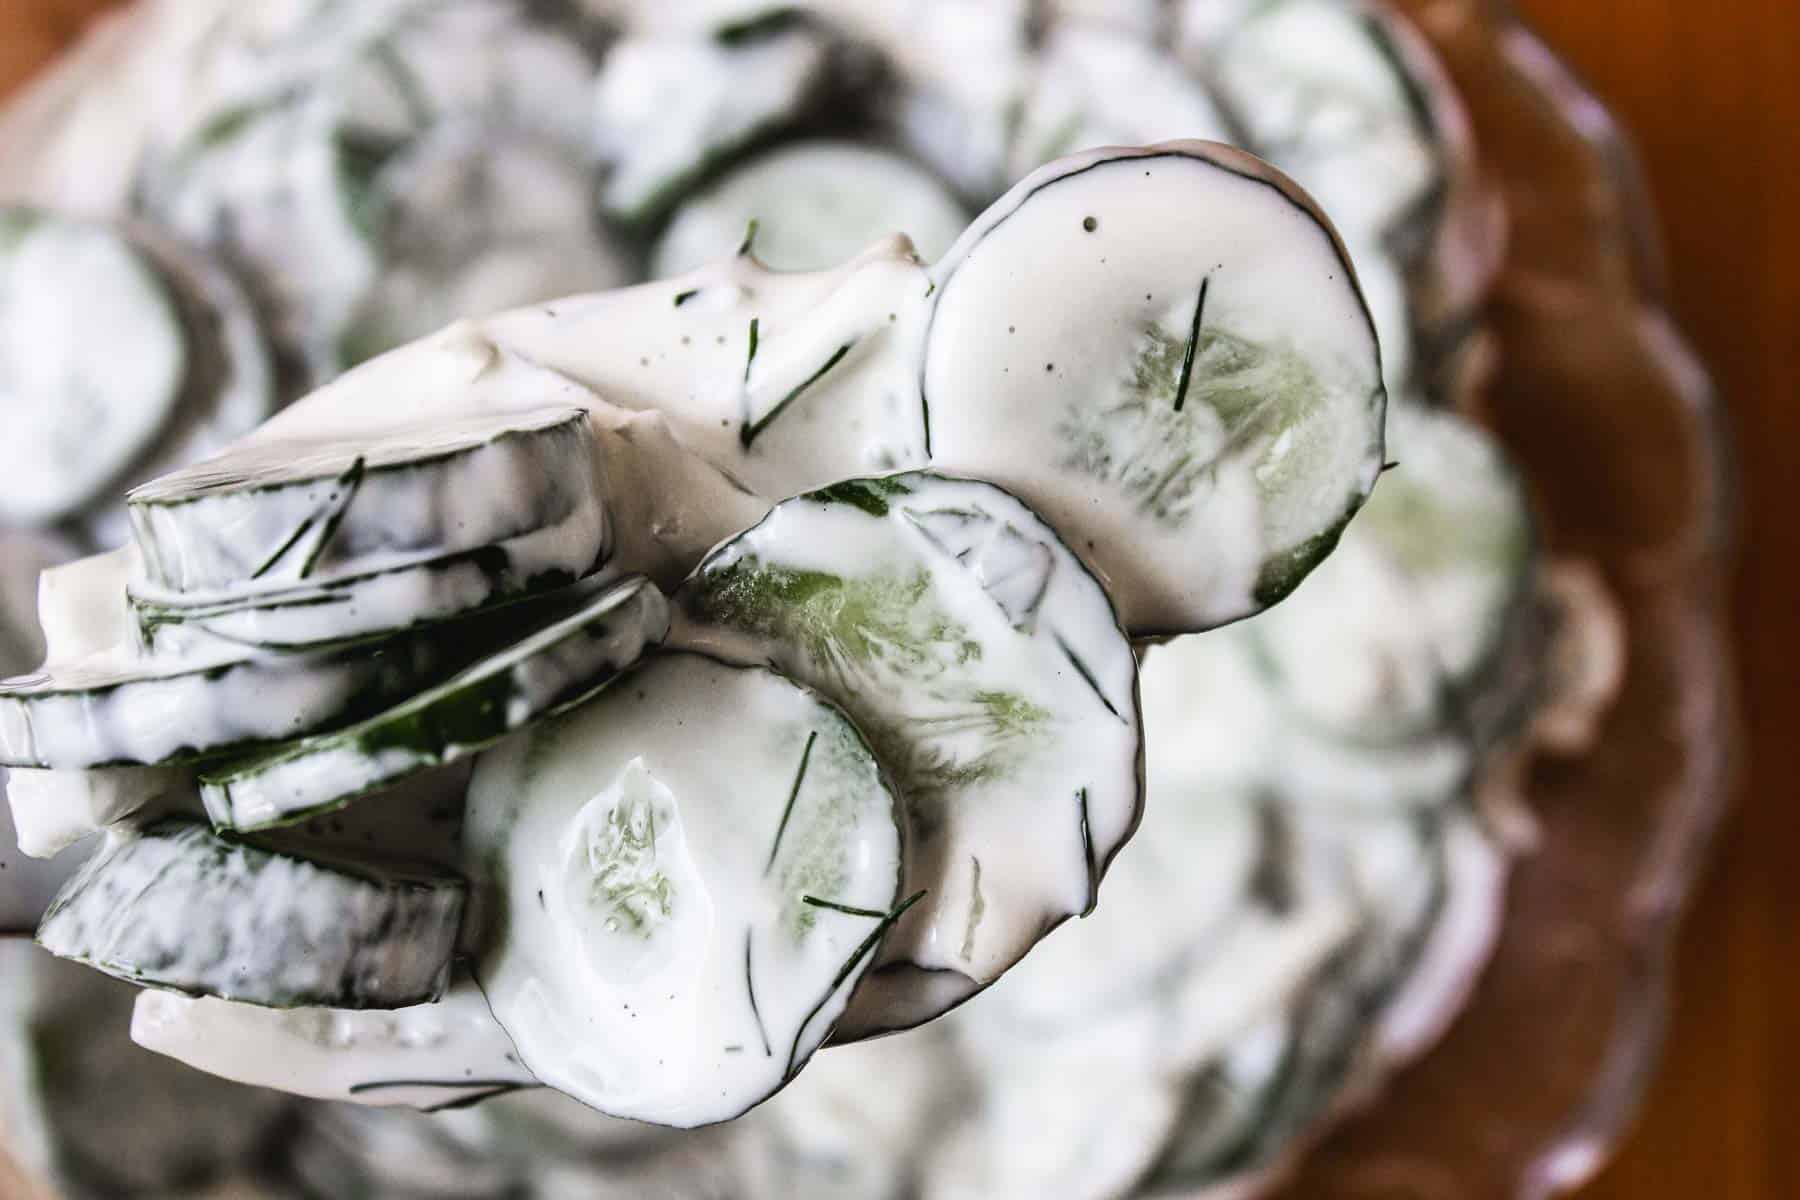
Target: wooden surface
(1712, 91)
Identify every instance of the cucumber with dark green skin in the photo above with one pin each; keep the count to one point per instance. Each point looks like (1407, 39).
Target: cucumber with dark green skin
(179, 907)
(276, 513)
(987, 667)
(579, 643)
(119, 708)
(384, 602)
(1206, 442)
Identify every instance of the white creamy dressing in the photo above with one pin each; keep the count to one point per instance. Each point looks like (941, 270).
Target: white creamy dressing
(986, 666)
(655, 955)
(425, 1056)
(52, 810)
(1181, 512)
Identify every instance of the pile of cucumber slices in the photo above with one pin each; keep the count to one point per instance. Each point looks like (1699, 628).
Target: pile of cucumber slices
(541, 747)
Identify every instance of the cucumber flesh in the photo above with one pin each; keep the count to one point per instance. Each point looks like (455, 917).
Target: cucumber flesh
(986, 666)
(576, 645)
(75, 419)
(178, 907)
(667, 107)
(693, 871)
(274, 513)
(816, 204)
(428, 1056)
(1202, 426)
(52, 810)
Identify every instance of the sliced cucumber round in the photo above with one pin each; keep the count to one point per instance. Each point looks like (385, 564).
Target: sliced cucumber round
(117, 708)
(473, 222)
(692, 872)
(383, 602)
(987, 668)
(1202, 426)
(274, 513)
(52, 810)
(429, 1056)
(1099, 86)
(179, 907)
(77, 419)
(1396, 634)
(816, 204)
(572, 646)
(669, 106)
(1322, 92)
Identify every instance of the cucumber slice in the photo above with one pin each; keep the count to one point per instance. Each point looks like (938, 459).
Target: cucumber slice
(472, 224)
(274, 165)
(578, 645)
(816, 204)
(271, 187)
(52, 810)
(274, 513)
(693, 871)
(116, 708)
(1321, 91)
(667, 107)
(383, 602)
(1396, 634)
(96, 1118)
(230, 385)
(1203, 425)
(181, 908)
(1097, 86)
(427, 1057)
(76, 419)
(985, 664)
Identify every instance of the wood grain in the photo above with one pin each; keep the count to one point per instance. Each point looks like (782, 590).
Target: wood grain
(1712, 91)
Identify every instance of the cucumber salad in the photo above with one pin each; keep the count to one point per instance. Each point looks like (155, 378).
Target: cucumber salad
(874, 599)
